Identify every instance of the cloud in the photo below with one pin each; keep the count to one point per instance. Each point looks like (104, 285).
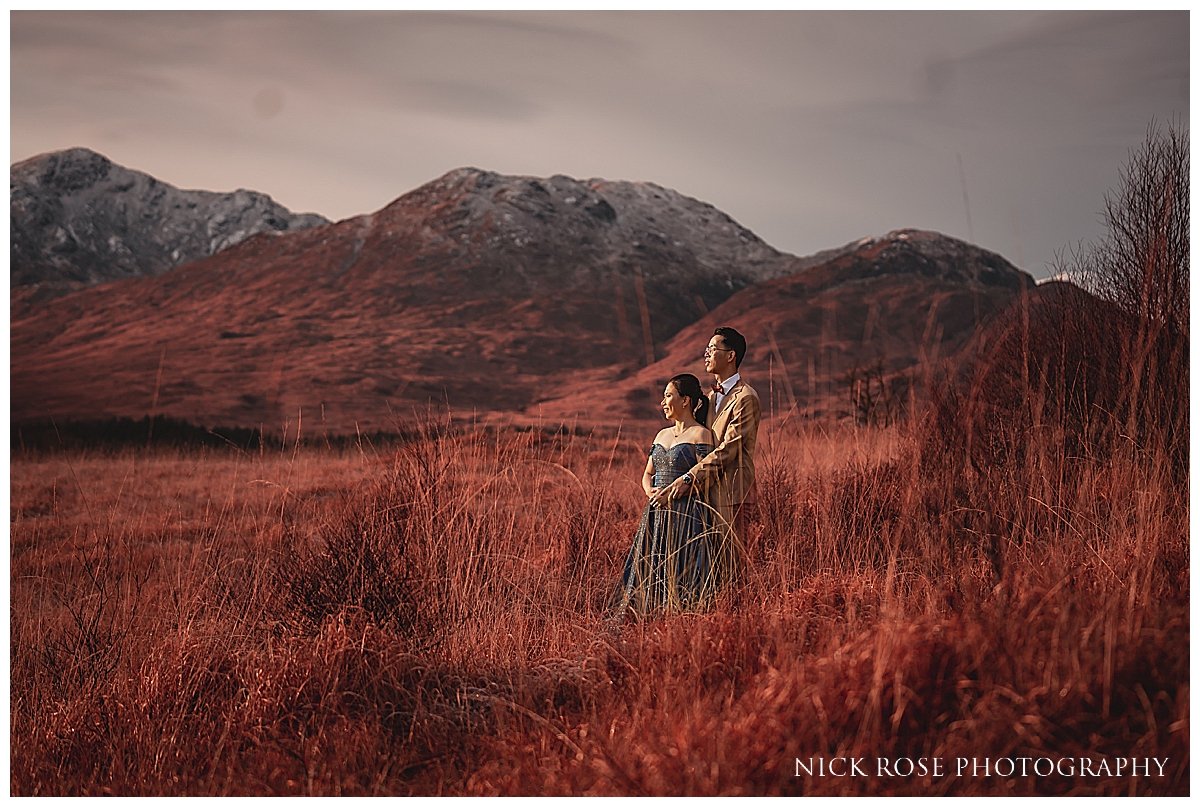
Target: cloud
(466, 99)
(811, 128)
(1071, 60)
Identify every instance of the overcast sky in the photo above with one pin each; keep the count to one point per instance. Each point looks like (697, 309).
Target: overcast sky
(811, 129)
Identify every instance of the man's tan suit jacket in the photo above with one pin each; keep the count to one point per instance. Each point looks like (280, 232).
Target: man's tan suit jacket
(726, 476)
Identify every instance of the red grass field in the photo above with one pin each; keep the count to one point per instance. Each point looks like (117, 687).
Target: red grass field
(430, 618)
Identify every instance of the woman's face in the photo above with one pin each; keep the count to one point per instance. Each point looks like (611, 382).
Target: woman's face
(674, 405)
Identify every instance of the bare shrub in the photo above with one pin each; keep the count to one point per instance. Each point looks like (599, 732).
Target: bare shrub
(1143, 265)
(1141, 268)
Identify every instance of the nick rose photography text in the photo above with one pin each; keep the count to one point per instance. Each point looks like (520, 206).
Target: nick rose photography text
(981, 766)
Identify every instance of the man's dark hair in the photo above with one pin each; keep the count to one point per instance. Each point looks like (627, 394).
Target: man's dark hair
(734, 341)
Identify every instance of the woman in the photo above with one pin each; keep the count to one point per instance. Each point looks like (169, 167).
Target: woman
(676, 556)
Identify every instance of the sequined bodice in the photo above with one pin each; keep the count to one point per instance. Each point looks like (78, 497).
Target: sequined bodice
(671, 463)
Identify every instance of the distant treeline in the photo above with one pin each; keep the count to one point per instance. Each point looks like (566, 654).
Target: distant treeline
(166, 432)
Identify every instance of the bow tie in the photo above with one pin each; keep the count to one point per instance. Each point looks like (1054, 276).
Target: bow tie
(716, 388)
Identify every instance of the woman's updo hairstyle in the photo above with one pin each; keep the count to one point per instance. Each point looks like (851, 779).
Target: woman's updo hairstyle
(688, 386)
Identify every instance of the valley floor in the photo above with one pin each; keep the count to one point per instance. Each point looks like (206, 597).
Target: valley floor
(432, 618)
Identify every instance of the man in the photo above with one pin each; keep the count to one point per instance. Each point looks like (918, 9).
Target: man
(726, 476)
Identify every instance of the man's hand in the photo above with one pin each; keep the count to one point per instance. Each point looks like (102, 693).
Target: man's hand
(680, 487)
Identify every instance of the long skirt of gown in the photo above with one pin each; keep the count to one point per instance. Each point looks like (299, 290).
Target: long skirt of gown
(675, 560)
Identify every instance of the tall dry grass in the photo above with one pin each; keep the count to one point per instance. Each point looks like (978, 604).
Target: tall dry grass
(432, 619)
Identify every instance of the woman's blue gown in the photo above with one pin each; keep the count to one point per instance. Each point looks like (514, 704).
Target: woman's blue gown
(673, 561)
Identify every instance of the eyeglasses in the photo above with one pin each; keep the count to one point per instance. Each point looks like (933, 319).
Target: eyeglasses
(708, 351)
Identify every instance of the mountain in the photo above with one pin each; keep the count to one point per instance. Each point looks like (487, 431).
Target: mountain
(80, 219)
(487, 291)
(623, 248)
(874, 315)
(507, 298)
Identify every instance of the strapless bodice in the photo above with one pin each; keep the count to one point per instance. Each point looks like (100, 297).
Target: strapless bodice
(671, 463)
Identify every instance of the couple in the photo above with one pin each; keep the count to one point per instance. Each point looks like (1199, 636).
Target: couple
(699, 479)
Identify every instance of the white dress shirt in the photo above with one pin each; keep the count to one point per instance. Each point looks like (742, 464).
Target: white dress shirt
(726, 386)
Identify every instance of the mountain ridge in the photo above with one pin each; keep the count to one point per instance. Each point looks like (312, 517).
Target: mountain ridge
(78, 219)
(503, 297)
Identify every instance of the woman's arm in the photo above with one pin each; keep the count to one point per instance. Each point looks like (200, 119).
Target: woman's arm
(648, 478)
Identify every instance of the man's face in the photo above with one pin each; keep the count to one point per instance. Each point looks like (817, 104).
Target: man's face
(719, 359)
